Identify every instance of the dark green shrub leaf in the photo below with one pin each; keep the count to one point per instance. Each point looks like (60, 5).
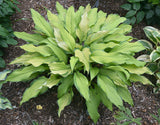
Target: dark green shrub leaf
(136, 6)
(134, 1)
(140, 16)
(149, 14)
(157, 10)
(2, 63)
(133, 20)
(131, 13)
(126, 6)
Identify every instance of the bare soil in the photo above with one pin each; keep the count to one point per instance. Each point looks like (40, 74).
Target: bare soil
(145, 101)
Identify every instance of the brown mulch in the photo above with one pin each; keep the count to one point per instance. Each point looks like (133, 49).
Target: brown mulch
(145, 101)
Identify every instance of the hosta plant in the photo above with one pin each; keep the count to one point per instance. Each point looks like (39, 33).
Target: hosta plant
(82, 51)
(152, 54)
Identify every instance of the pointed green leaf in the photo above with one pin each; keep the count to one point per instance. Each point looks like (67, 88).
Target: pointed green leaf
(54, 21)
(117, 37)
(82, 85)
(121, 69)
(64, 101)
(81, 32)
(125, 94)
(93, 72)
(92, 16)
(119, 78)
(95, 36)
(33, 58)
(128, 48)
(104, 98)
(68, 39)
(52, 81)
(100, 21)
(66, 84)
(112, 21)
(70, 21)
(23, 74)
(138, 78)
(31, 38)
(92, 105)
(102, 46)
(60, 68)
(41, 24)
(110, 90)
(136, 69)
(83, 56)
(59, 40)
(58, 51)
(33, 90)
(124, 29)
(61, 11)
(43, 50)
(73, 62)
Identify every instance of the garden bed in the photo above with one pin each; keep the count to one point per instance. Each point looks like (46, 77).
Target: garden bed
(145, 101)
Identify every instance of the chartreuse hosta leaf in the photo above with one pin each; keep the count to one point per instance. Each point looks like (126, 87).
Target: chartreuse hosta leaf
(85, 51)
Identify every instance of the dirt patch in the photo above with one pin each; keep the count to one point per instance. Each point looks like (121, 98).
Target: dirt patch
(145, 102)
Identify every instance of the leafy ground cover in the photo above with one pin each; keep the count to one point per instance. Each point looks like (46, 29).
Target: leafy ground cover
(44, 108)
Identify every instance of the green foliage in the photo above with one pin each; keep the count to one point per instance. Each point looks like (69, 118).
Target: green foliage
(156, 117)
(142, 9)
(152, 55)
(124, 117)
(83, 51)
(7, 8)
(4, 102)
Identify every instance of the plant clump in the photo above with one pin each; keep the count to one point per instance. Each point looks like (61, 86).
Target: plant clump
(83, 51)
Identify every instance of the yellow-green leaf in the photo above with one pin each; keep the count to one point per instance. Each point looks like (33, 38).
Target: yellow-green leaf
(33, 58)
(73, 62)
(125, 94)
(64, 101)
(43, 50)
(139, 78)
(136, 69)
(93, 72)
(66, 84)
(60, 68)
(24, 73)
(83, 56)
(82, 85)
(34, 89)
(52, 81)
(41, 24)
(110, 90)
(31, 38)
